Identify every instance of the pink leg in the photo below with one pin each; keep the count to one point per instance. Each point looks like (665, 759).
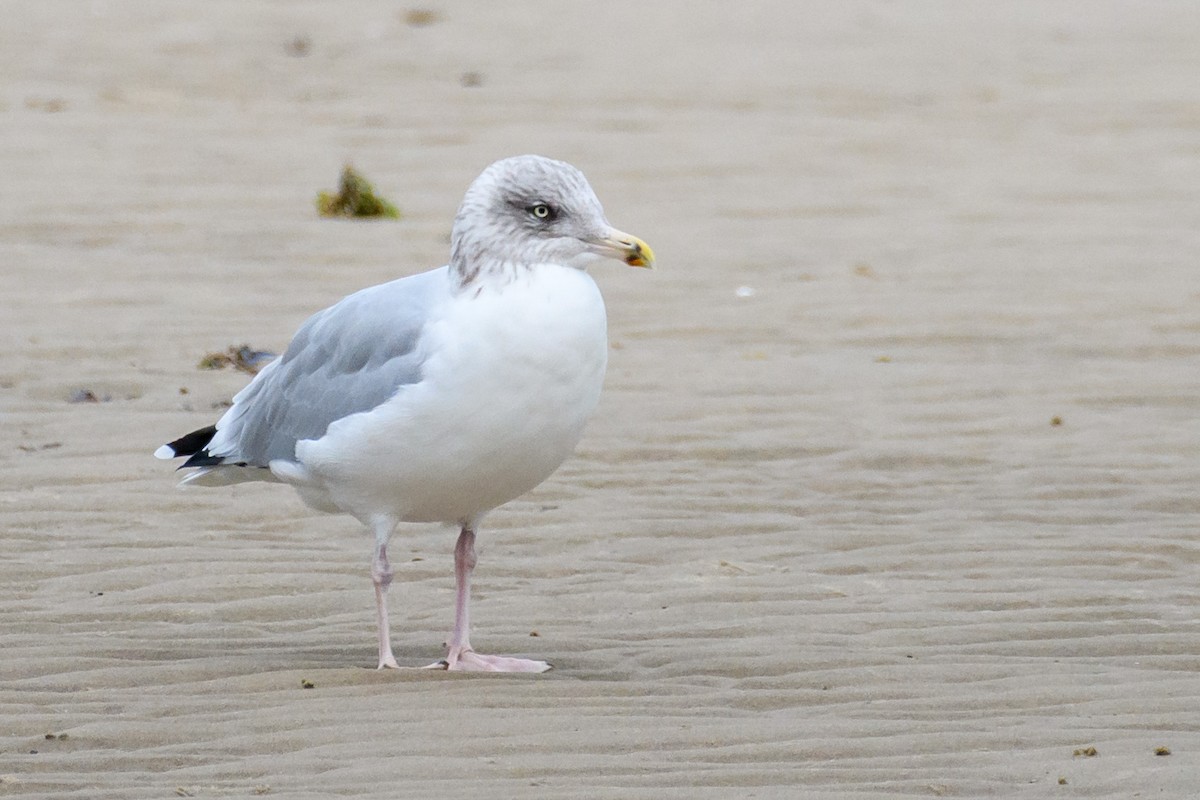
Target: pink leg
(464, 565)
(460, 656)
(381, 576)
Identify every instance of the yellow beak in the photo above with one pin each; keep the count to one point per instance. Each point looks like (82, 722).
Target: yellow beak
(626, 247)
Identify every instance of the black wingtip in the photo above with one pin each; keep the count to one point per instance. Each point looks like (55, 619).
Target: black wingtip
(202, 459)
(191, 445)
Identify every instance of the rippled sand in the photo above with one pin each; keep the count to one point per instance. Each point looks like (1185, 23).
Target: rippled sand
(892, 491)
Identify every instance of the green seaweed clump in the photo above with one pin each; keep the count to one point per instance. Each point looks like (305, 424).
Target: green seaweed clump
(355, 198)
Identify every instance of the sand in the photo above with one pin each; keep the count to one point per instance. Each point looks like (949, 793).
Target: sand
(892, 490)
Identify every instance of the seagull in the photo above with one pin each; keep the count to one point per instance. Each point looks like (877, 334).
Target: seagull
(440, 396)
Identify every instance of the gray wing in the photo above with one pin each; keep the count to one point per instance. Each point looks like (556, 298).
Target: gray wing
(349, 358)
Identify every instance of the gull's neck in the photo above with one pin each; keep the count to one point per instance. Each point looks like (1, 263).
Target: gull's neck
(486, 273)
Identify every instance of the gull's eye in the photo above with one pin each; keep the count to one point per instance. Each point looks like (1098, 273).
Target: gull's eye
(542, 211)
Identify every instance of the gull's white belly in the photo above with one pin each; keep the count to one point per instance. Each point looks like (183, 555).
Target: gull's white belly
(511, 377)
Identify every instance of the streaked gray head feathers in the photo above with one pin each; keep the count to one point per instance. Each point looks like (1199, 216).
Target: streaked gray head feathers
(522, 211)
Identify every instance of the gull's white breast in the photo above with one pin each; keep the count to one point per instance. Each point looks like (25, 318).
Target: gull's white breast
(511, 374)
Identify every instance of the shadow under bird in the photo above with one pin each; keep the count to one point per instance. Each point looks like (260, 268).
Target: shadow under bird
(440, 396)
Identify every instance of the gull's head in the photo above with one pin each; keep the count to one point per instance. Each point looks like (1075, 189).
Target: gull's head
(529, 210)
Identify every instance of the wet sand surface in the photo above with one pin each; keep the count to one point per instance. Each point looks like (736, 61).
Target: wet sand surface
(892, 490)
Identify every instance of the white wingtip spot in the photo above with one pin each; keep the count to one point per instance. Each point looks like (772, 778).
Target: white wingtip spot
(165, 453)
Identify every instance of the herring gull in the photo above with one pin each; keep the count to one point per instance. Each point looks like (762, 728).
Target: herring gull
(440, 396)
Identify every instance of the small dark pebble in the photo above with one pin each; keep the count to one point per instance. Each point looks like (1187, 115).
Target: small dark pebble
(421, 17)
(84, 396)
(51, 105)
(864, 270)
(28, 448)
(298, 47)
